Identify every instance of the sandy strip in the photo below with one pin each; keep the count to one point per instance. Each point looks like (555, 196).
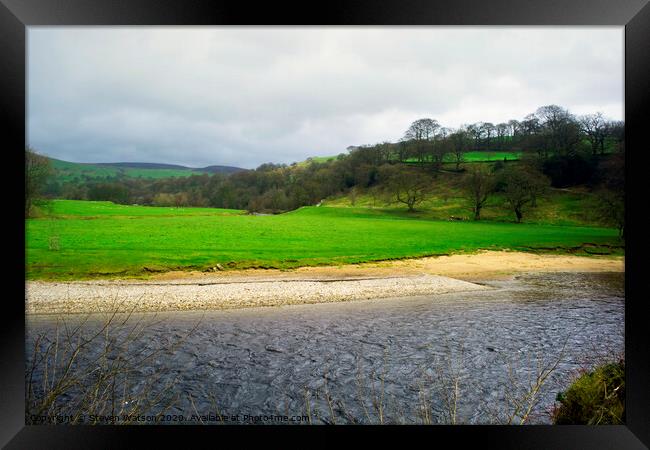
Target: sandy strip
(85, 297)
(249, 288)
(485, 265)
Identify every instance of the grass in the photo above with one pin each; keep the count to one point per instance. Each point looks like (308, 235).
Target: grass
(487, 156)
(481, 156)
(68, 171)
(87, 209)
(596, 397)
(557, 207)
(475, 156)
(316, 159)
(98, 239)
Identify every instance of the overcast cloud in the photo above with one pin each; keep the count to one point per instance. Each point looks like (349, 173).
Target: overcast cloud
(243, 96)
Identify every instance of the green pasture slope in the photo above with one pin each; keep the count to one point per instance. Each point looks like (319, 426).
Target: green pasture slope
(487, 156)
(88, 210)
(556, 207)
(97, 239)
(68, 171)
(315, 159)
(475, 156)
(480, 156)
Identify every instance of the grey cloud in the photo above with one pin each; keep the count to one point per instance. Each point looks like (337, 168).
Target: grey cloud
(247, 95)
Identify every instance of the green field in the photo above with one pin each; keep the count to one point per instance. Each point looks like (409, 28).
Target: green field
(480, 156)
(486, 156)
(98, 239)
(76, 209)
(316, 159)
(68, 171)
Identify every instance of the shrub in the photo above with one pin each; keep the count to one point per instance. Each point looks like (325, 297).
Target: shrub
(595, 398)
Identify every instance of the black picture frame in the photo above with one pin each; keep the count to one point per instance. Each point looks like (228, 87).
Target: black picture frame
(16, 15)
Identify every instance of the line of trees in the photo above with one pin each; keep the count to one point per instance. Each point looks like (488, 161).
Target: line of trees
(559, 149)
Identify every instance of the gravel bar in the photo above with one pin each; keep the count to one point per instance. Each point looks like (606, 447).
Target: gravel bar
(109, 296)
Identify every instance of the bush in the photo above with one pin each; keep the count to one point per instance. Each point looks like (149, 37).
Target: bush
(112, 192)
(595, 398)
(570, 170)
(87, 372)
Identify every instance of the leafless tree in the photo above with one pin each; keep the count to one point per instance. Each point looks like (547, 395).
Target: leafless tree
(407, 185)
(563, 130)
(37, 171)
(475, 130)
(441, 147)
(595, 128)
(420, 136)
(522, 186)
(422, 130)
(459, 144)
(502, 132)
(514, 127)
(489, 130)
(478, 183)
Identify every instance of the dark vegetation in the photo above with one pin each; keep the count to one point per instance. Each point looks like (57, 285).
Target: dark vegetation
(557, 150)
(595, 398)
(37, 172)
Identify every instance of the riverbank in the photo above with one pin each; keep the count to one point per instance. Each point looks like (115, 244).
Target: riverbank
(175, 291)
(483, 265)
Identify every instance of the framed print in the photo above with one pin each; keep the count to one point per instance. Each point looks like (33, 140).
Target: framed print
(415, 218)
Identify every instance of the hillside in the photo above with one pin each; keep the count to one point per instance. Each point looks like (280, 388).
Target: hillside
(71, 171)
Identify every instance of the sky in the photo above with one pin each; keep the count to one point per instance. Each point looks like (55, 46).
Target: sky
(243, 96)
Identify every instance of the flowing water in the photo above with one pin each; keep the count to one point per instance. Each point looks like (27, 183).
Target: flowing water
(463, 357)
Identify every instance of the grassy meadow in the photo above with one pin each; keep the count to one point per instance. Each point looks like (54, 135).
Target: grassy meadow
(487, 156)
(82, 239)
(480, 156)
(574, 207)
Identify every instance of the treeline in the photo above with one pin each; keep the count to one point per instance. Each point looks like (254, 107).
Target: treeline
(566, 149)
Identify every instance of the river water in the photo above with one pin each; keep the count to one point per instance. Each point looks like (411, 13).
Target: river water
(454, 358)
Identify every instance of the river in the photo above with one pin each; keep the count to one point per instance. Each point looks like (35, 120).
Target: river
(453, 358)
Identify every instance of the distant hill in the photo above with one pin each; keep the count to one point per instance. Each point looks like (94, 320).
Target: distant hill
(140, 165)
(70, 171)
(220, 169)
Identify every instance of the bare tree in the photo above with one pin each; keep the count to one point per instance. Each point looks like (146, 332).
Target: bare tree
(478, 184)
(562, 130)
(37, 171)
(476, 133)
(537, 183)
(522, 187)
(502, 132)
(440, 147)
(595, 128)
(488, 130)
(407, 185)
(422, 130)
(514, 127)
(421, 134)
(459, 144)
